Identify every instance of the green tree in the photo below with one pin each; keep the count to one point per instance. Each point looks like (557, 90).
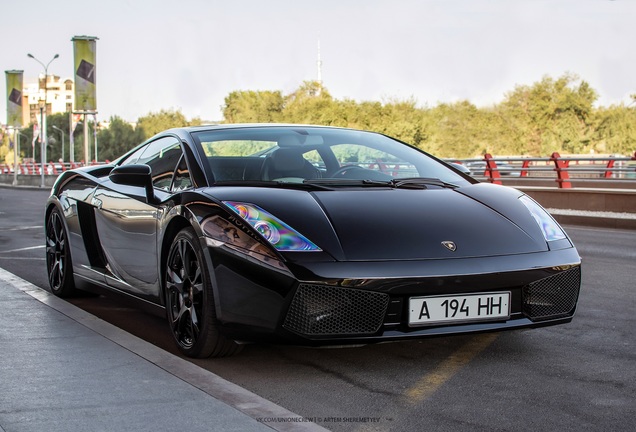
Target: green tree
(456, 132)
(153, 123)
(119, 137)
(311, 103)
(253, 107)
(405, 121)
(537, 119)
(615, 130)
(363, 115)
(550, 115)
(6, 153)
(54, 136)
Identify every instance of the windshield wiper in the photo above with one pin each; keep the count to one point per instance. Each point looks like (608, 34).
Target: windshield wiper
(399, 183)
(280, 184)
(344, 182)
(421, 182)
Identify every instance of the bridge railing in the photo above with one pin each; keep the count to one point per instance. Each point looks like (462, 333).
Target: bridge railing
(561, 171)
(51, 168)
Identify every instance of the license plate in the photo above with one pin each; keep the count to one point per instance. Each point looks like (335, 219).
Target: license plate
(459, 308)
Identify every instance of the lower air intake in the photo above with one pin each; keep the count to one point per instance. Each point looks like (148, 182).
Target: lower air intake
(318, 310)
(552, 297)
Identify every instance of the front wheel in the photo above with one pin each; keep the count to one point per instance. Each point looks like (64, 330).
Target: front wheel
(58, 257)
(190, 302)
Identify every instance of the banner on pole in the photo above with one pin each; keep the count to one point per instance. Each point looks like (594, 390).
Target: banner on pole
(36, 133)
(84, 48)
(14, 98)
(75, 119)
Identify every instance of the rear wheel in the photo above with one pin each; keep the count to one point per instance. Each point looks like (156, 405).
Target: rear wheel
(58, 257)
(190, 303)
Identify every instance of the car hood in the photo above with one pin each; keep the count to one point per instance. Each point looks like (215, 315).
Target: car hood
(402, 224)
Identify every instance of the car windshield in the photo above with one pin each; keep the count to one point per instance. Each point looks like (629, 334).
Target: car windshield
(318, 156)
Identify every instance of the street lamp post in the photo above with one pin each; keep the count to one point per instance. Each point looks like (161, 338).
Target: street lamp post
(42, 109)
(62, 132)
(42, 105)
(15, 157)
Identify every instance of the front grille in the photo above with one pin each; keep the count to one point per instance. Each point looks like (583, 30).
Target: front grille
(324, 310)
(552, 297)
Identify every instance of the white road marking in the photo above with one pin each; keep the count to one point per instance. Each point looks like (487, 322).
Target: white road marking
(22, 258)
(21, 228)
(23, 249)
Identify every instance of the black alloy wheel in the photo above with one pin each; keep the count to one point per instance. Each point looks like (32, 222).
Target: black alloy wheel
(58, 257)
(190, 303)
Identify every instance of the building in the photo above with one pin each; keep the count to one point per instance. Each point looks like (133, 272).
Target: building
(59, 95)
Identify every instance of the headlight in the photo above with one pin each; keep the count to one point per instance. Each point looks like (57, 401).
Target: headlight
(283, 237)
(551, 230)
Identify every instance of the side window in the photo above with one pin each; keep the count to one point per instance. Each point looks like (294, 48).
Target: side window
(182, 180)
(133, 157)
(162, 156)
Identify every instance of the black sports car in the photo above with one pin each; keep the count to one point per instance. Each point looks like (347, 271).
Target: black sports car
(309, 235)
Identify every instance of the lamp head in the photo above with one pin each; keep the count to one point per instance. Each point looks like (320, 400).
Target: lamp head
(30, 55)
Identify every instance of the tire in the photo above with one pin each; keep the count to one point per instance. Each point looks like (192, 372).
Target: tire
(58, 256)
(190, 303)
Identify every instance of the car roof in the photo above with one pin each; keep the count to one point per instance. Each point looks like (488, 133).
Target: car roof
(199, 128)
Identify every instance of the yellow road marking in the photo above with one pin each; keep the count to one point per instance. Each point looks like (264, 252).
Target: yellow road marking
(430, 382)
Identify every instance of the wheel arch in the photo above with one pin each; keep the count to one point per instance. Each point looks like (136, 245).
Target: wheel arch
(47, 211)
(50, 205)
(175, 225)
(54, 203)
(191, 208)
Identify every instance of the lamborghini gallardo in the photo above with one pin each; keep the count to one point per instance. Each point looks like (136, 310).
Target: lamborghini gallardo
(307, 235)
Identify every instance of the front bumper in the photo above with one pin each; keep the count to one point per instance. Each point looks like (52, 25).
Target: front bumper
(359, 302)
(323, 312)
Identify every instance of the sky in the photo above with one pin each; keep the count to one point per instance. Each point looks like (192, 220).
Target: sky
(188, 55)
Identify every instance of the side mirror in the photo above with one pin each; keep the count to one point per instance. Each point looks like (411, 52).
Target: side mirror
(463, 168)
(139, 175)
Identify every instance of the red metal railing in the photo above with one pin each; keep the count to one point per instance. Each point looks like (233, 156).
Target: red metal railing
(556, 168)
(51, 168)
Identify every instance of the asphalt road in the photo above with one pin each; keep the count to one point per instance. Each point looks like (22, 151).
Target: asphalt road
(575, 377)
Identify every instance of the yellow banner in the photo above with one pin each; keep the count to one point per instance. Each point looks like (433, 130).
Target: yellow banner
(14, 98)
(84, 48)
